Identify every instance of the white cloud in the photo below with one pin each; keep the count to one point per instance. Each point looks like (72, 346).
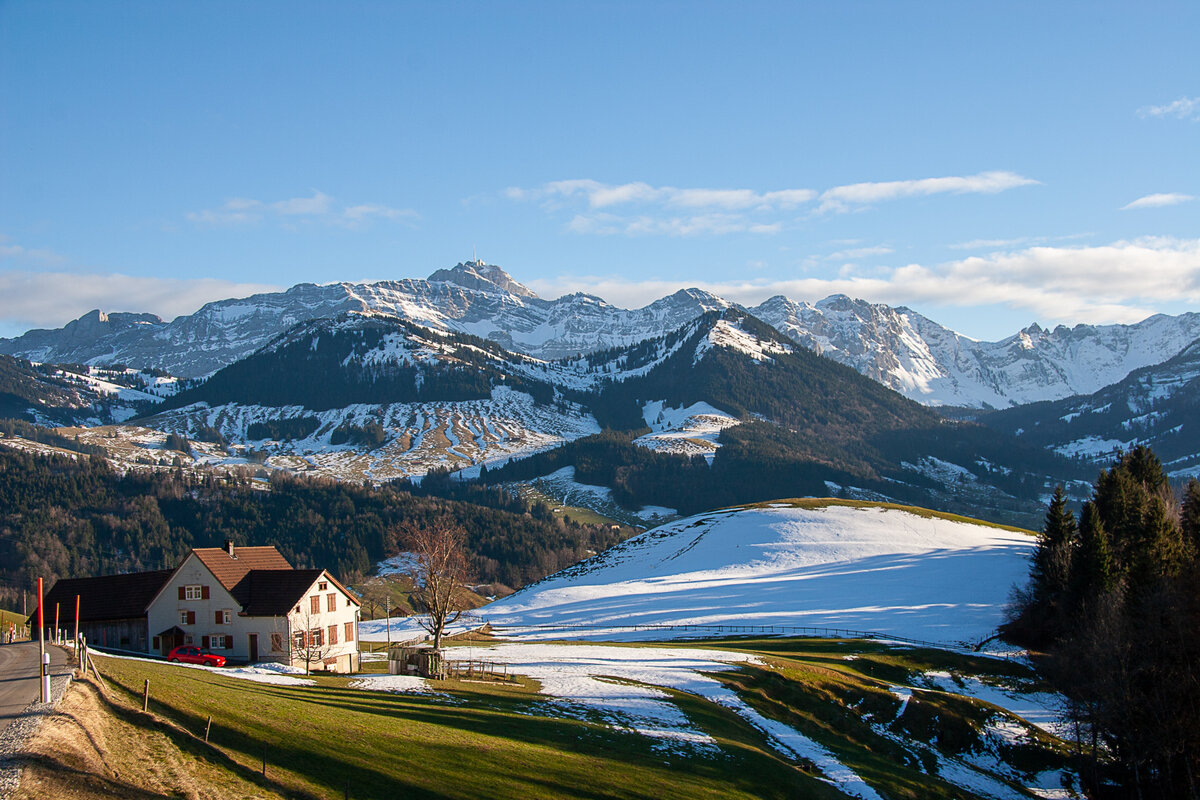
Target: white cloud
(10, 251)
(1183, 108)
(1122, 282)
(316, 205)
(50, 299)
(645, 225)
(1158, 200)
(602, 195)
(860, 252)
(654, 210)
(841, 198)
(319, 207)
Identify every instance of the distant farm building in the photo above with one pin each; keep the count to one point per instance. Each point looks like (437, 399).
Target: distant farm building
(246, 603)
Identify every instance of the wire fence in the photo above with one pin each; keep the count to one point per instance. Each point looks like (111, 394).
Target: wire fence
(735, 630)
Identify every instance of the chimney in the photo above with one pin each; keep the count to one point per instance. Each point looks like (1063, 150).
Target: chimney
(229, 548)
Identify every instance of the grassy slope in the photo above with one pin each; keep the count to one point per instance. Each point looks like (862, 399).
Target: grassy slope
(497, 742)
(825, 502)
(485, 740)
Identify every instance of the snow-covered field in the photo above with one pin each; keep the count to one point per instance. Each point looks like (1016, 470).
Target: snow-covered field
(685, 431)
(861, 568)
(562, 486)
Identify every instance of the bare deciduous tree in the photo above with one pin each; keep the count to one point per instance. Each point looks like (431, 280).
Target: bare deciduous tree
(309, 643)
(439, 573)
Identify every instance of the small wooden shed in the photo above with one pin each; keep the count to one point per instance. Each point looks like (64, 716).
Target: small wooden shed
(420, 660)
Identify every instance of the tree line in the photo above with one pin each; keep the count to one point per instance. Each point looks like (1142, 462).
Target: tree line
(78, 517)
(1114, 600)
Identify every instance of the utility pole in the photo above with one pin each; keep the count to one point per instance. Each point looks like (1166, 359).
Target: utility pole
(387, 618)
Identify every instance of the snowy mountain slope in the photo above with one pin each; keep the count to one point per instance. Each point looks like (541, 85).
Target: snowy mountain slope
(895, 346)
(1156, 406)
(802, 564)
(414, 437)
(690, 431)
(371, 397)
(473, 298)
(936, 366)
(49, 394)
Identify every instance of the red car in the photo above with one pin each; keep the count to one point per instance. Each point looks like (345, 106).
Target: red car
(190, 654)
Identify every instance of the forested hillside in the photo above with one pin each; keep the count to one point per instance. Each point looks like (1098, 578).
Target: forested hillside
(65, 517)
(324, 364)
(1114, 597)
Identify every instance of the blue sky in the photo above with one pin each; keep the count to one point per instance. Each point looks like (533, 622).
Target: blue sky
(988, 165)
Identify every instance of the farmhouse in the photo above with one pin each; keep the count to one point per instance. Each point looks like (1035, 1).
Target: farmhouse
(246, 603)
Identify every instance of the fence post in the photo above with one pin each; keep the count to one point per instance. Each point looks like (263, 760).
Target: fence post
(146, 696)
(207, 728)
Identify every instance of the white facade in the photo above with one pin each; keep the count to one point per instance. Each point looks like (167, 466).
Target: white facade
(324, 628)
(195, 601)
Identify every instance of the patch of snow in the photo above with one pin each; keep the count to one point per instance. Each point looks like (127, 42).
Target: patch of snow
(619, 685)
(731, 335)
(693, 430)
(401, 684)
(1040, 709)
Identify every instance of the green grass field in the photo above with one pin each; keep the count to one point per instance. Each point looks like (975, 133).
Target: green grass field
(13, 618)
(505, 741)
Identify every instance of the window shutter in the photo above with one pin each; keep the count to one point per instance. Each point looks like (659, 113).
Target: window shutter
(181, 595)
(191, 617)
(333, 634)
(220, 618)
(349, 631)
(204, 592)
(204, 642)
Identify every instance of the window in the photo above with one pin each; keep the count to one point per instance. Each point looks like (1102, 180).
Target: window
(276, 642)
(315, 604)
(349, 631)
(331, 602)
(187, 617)
(191, 592)
(225, 617)
(187, 639)
(315, 637)
(322, 586)
(298, 642)
(333, 634)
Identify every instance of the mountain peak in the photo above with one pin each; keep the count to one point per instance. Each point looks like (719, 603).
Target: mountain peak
(480, 275)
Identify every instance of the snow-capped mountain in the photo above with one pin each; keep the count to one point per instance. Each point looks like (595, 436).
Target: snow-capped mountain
(474, 298)
(1156, 406)
(895, 346)
(936, 366)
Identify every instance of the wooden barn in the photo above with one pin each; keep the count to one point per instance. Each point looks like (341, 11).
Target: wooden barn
(112, 608)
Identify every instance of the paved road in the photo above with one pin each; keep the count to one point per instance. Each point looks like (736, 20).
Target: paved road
(19, 677)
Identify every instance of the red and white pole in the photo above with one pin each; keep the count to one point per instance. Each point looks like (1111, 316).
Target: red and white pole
(43, 656)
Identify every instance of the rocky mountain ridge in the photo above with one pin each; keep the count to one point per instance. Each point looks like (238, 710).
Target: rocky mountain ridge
(893, 345)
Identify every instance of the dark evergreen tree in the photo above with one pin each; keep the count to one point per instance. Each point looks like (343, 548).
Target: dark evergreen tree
(1093, 568)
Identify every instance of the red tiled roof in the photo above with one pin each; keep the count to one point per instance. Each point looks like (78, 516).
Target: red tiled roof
(230, 570)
